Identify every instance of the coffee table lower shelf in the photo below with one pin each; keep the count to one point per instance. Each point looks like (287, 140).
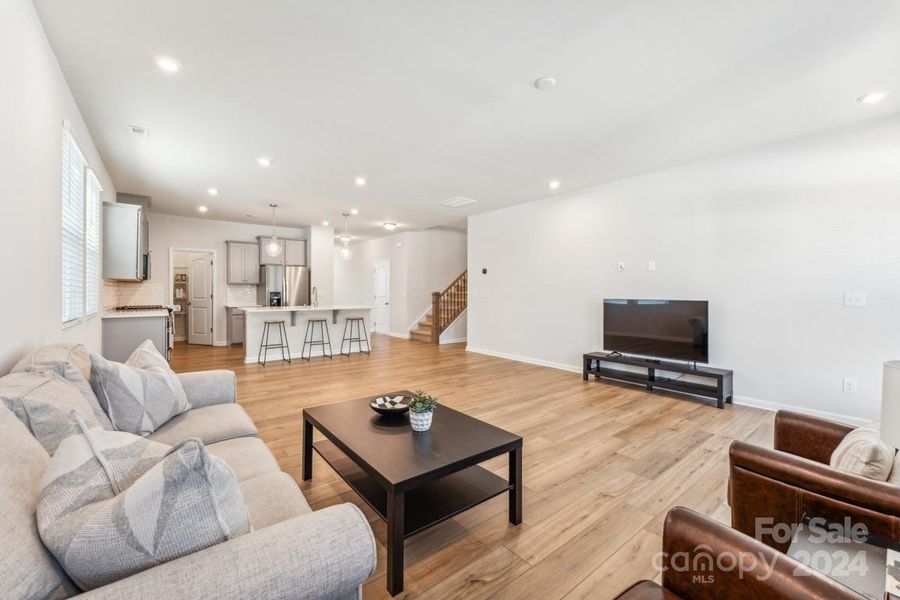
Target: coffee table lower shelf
(427, 505)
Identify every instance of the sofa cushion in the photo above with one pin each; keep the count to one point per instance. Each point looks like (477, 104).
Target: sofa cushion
(44, 403)
(273, 498)
(140, 395)
(211, 424)
(27, 570)
(186, 501)
(862, 452)
(248, 457)
(75, 355)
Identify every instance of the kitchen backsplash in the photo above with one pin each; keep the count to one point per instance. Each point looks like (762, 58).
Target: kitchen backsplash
(240, 295)
(120, 293)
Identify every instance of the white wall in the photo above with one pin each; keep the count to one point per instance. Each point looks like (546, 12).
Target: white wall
(422, 262)
(771, 237)
(167, 231)
(34, 102)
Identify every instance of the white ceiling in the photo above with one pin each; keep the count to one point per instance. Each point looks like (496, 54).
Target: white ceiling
(430, 100)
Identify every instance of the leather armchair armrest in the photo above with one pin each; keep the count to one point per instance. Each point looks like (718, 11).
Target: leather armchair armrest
(705, 560)
(806, 436)
(811, 476)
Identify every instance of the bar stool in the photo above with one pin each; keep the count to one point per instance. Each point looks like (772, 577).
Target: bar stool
(282, 344)
(309, 339)
(360, 330)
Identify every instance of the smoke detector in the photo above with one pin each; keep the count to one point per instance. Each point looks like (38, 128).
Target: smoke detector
(545, 83)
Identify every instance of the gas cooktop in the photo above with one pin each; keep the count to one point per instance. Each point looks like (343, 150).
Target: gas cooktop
(143, 307)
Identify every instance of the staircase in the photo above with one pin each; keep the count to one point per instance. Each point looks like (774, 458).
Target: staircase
(445, 307)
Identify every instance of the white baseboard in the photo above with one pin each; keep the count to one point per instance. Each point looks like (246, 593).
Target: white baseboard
(453, 341)
(222, 343)
(740, 400)
(402, 336)
(275, 355)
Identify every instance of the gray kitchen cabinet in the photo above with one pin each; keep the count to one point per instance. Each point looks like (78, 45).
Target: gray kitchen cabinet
(235, 327)
(264, 258)
(123, 334)
(243, 263)
(126, 252)
(295, 253)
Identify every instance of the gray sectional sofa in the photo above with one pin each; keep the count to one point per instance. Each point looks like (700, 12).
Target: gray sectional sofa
(292, 552)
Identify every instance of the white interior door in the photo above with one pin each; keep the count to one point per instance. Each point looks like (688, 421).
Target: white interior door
(382, 312)
(200, 306)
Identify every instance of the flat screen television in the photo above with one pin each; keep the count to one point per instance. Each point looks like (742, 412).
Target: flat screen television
(675, 329)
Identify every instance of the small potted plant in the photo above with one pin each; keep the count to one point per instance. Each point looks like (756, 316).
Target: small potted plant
(421, 409)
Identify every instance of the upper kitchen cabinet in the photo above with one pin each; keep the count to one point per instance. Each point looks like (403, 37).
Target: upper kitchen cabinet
(126, 232)
(243, 263)
(295, 253)
(264, 258)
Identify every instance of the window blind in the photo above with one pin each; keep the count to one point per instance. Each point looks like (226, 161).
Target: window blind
(92, 244)
(73, 189)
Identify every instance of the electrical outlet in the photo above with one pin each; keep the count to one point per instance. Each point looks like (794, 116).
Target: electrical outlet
(621, 266)
(851, 385)
(855, 299)
(651, 265)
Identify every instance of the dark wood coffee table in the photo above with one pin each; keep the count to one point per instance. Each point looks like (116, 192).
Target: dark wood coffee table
(413, 480)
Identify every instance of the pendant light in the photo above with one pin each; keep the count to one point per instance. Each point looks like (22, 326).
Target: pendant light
(273, 248)
(346, 252)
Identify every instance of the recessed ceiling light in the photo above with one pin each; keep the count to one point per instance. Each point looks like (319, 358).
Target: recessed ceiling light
(202, 209)
(212, 192)
(324, 223)
(353, 211)
(360, 181)
(389, 226)
(264, 161)
(168, 64)
(545, 83)
(554, 184)
(873, 97)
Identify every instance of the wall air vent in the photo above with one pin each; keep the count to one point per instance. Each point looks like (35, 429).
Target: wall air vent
(139, 131)
(457, 201)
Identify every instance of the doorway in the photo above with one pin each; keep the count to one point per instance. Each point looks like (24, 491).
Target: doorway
(192, 278)
(382, 286)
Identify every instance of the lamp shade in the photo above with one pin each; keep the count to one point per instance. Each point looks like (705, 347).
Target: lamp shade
(890, 404)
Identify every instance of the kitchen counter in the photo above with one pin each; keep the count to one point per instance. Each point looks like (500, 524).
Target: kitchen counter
(131, 314)
(272, 309)
(243, 306)
(296, 327)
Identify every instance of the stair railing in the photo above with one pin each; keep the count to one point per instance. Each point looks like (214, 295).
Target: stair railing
(447, 305)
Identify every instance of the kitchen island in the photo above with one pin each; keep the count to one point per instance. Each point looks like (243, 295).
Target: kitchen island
(295, 320)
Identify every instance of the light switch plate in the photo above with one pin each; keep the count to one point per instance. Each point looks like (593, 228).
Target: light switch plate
(851, 385)
(855, 299)
(651, 265)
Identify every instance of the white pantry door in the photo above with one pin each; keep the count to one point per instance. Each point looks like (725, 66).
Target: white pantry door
(382, 313)
(200, 307)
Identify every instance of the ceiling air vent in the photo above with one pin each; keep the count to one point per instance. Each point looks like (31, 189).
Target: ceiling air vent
(457, 201)
(139, 131)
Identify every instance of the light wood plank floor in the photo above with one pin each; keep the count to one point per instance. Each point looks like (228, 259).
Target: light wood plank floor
(603, 463)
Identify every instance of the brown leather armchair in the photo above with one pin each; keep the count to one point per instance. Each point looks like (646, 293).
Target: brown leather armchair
(794, 479)
(697, 565)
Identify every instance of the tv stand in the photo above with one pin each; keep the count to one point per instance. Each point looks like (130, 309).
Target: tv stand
(720, 387)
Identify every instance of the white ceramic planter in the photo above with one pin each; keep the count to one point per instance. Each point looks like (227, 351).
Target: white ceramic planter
(420, 421)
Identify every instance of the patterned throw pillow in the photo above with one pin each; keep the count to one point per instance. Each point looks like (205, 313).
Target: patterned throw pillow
(70, 373)
(140, 395)
(862, 452)
(113, 504)
(44, 403)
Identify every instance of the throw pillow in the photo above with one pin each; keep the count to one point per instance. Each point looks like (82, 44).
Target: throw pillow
(111, 506)
(44, 403)
(863, 453)
(74, 354)
(140, 395)
(70, 373)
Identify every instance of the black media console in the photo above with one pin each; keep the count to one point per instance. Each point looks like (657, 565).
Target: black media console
(720, 386)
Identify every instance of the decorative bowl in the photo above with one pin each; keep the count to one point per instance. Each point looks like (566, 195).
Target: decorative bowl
(390, 405)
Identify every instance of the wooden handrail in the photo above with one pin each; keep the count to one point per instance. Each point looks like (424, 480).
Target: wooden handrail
(448, 304)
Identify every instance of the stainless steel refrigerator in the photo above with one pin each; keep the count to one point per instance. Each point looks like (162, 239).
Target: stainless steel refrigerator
(283, 286)
(296, 286)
